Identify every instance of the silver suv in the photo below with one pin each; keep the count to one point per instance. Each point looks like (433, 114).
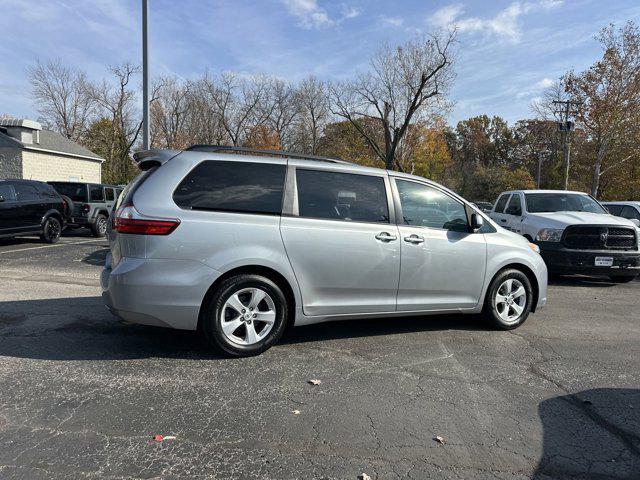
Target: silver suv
(241, 246)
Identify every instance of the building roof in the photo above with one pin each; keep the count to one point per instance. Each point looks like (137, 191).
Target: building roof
(43, 140)
(53, 141)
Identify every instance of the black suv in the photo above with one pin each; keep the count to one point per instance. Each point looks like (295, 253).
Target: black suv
(91, 204)
(28, 207)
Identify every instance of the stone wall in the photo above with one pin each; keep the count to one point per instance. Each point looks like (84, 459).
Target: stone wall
(50, 167)
(10, 163)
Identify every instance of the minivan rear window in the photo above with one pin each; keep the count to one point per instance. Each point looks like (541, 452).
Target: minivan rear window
(244, 187)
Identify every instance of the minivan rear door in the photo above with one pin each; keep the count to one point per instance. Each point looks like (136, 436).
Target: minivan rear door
(340, 239)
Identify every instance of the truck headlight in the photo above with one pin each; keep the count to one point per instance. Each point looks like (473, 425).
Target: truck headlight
(549, 235)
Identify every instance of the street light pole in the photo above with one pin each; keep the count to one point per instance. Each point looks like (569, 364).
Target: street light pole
(145, 76)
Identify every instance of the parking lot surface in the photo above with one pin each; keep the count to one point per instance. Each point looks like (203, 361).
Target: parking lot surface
(82, 394)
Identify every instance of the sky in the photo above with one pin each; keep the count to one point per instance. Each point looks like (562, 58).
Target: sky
(507, 51)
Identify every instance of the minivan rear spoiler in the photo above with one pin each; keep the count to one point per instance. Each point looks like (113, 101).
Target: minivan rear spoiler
(145, 159)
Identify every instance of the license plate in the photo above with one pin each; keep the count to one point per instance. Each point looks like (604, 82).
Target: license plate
(604, 261)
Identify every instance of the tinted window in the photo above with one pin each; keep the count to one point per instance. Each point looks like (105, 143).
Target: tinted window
(425, 206)
(8, 193)
(27, 193)
(502, 202)
(341, 196)
(631, 213)
(48, 192)
(614, 209)
(108, 192)
(514, 208)
(561, 202)
(233, 186)
(75, 191)
(96, 193)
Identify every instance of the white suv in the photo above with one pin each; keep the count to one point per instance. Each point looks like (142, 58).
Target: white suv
(574, 232)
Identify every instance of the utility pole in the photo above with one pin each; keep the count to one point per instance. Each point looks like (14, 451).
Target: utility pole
(145, 75)
(565, 109)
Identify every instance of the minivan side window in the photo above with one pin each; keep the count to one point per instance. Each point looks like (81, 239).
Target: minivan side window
(243, 187)
(502, 202)
(425, 206)
(515, 206)
(341, 196)
(96, 193)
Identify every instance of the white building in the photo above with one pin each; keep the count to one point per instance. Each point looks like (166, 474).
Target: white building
(27, 151)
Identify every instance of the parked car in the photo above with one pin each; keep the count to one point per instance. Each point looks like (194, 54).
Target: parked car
(240, 246)
(486, 207)
(630, 210)
(575, 233)
(28, 207)
(91, 204)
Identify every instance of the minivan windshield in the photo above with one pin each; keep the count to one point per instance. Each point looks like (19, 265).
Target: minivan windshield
(75, 191)
(561, 202)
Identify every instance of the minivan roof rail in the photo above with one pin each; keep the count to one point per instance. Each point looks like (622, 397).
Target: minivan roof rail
(260, 151)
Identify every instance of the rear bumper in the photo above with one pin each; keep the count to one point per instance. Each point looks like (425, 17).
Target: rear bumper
(563, 260)
(167, 293)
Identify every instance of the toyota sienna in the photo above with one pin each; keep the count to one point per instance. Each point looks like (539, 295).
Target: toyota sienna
(242, 243)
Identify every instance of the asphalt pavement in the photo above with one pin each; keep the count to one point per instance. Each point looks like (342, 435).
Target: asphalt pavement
(82, 394)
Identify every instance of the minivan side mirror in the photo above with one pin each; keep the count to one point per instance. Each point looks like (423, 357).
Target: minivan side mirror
(477, 221)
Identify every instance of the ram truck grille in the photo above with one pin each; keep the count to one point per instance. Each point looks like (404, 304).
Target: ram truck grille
(586, 237)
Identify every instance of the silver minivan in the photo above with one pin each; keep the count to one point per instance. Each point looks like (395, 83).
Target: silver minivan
(242, 243)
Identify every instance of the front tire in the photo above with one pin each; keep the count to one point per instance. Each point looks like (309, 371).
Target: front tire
(508, 300)
(99, 227)
(51, 230)
(622, 278)
(245, 316)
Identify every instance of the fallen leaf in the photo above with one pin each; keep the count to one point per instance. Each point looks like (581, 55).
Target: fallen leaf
(364, 476)
(296, 412)
(439, 439)
(315, 381)
(162, 438)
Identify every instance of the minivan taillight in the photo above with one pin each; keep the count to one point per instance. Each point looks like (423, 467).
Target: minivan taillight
(128, 220)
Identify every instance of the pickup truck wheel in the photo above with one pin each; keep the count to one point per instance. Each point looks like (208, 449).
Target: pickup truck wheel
(508, 300)
(51, 230)
(99, 228)
(245, 316)
(621, 278)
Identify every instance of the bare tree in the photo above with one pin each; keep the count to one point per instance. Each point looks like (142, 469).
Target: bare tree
(313, 101)
(404, 84)
(238, 102)
(280, 109)
(170, 114)
(545, 108)
(60, 95)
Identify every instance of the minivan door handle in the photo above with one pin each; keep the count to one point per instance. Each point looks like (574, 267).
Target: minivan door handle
(415, 239)
(386, 237)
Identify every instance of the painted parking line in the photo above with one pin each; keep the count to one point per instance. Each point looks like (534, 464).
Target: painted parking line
(84, 242)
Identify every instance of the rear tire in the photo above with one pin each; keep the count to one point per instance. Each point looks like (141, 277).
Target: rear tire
(622, 278)
(51, 230)
(508, 301)
(99, 227)
(245, 316)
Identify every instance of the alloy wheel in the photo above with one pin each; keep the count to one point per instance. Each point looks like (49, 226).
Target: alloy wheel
(510, 300)
(248, 316)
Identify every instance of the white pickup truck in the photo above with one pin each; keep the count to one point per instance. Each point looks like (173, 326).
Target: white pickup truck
(574, 232)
